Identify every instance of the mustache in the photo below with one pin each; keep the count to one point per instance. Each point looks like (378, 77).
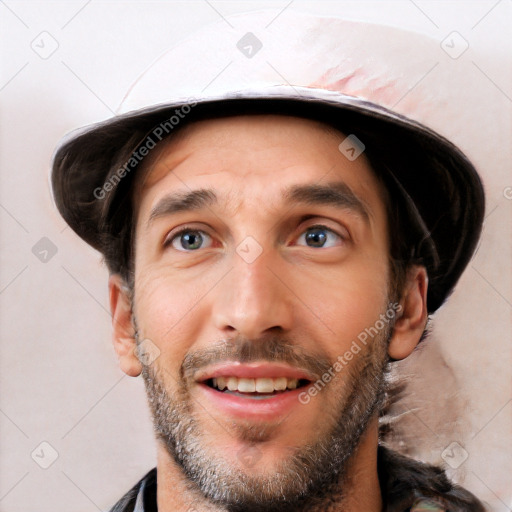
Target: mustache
(272, 349)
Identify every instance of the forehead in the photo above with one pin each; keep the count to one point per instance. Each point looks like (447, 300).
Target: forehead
(252, 158)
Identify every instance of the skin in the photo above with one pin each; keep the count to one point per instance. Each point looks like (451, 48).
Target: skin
(318, 299)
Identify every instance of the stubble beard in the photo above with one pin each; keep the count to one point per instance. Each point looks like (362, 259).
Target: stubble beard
(313, 477)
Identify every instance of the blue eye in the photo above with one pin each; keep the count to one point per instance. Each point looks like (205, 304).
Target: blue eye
(190, 240)
(319, 236)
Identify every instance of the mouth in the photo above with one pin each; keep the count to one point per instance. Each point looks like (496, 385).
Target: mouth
(258, 391)
(260, 388)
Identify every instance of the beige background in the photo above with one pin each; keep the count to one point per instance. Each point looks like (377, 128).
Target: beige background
(58, 376)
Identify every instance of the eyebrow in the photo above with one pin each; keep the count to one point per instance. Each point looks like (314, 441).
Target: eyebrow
(182, 202)
(337, 194)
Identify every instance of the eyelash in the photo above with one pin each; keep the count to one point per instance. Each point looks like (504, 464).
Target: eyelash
(321, 226)
(171, 237)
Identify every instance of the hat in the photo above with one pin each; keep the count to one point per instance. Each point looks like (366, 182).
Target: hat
(366, 80)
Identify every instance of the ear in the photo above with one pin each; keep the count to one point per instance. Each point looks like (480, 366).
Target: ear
(413, 314)
(123, 335)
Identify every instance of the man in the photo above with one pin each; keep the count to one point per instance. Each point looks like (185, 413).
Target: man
(271, 251)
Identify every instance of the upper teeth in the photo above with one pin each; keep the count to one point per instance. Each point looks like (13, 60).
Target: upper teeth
(261, 385)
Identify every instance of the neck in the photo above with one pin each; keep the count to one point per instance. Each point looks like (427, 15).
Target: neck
(361, 489)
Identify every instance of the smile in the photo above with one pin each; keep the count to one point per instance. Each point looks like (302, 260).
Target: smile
(260, 388)
(257, 391)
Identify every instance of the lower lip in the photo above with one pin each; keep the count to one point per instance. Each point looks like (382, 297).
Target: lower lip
(251, 408)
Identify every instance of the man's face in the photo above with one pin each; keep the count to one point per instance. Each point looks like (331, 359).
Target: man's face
(261, 253)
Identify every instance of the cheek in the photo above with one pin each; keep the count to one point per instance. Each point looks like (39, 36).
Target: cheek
(169, 313)
(348, 299)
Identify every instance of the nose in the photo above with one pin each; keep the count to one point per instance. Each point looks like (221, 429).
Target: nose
(253, 298)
